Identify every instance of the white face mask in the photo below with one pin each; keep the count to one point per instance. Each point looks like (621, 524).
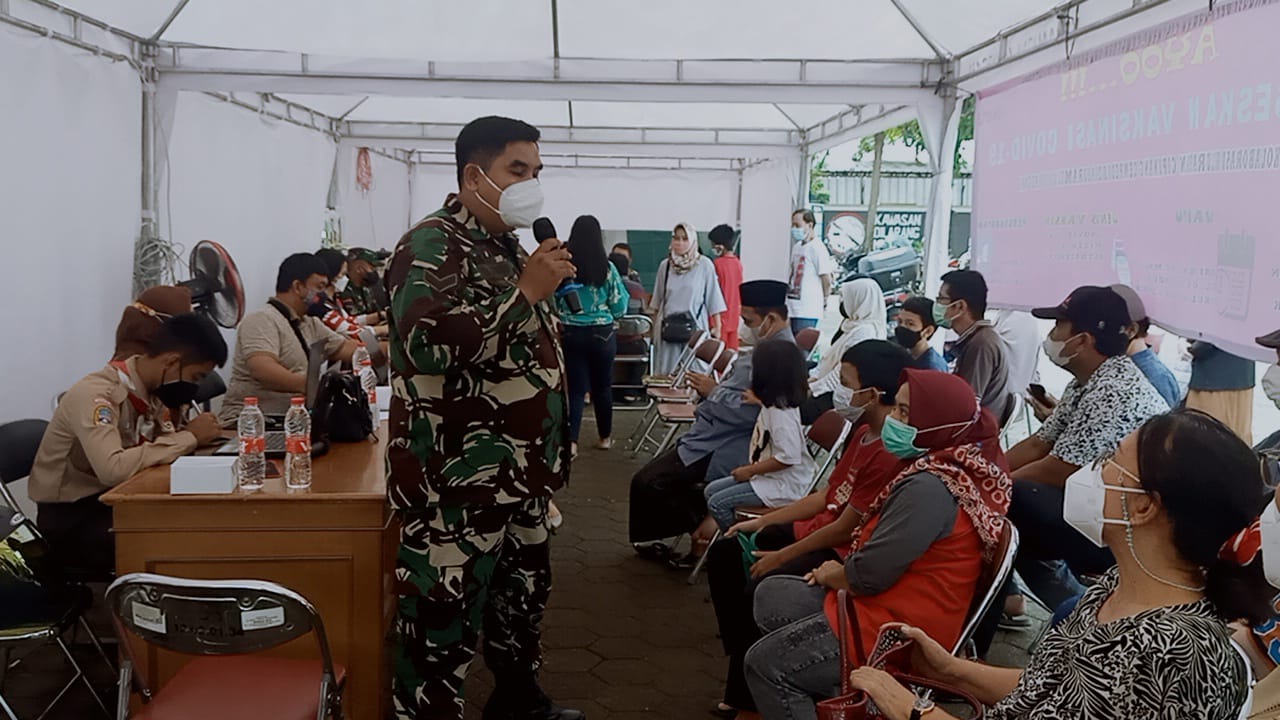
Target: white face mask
(1083, 505)
(750, 336)
(1269, 524)
(519, 204)
(340, 284)
(1271, 386)
(842, 397)
(1053, 349)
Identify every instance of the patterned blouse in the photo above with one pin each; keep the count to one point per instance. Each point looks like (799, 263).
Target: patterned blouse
(1164, 664)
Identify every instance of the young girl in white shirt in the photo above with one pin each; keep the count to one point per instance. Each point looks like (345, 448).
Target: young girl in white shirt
(780, 469)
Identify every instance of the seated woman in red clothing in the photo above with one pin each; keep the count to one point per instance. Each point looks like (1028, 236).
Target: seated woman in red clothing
(917, 553)
(793, 540)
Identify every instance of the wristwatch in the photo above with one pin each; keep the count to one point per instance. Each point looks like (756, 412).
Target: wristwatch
(923, 706)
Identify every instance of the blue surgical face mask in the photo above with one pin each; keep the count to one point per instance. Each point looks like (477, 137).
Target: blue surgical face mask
(798, 234)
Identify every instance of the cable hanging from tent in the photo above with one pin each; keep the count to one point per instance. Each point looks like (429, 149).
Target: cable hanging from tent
(1067, 21)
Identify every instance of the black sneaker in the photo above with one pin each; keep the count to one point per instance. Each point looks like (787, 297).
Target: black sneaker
(535, 706)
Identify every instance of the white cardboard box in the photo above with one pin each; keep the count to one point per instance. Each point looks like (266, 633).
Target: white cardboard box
(384, 398)
(193, 475)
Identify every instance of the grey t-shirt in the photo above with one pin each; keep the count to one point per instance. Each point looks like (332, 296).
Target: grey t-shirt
(982, 359)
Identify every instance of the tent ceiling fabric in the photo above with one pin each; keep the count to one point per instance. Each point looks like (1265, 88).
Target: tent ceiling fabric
(716, 65)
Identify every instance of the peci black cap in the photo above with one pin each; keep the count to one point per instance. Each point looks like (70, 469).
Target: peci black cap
(1098, 311)
(763, 293)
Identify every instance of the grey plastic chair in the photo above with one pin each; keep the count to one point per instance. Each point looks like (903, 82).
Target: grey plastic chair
(224, 622)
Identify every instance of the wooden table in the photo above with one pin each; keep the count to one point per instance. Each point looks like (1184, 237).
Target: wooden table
(334, 543)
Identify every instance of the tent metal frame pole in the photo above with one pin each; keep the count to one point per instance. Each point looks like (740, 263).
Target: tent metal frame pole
(974, 56)
(145, 275)
(74, 31)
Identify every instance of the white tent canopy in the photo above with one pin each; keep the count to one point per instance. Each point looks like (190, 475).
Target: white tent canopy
(651, 112)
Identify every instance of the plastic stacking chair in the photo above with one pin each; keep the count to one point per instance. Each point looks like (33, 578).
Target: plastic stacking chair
(224, 622)
(36, 604)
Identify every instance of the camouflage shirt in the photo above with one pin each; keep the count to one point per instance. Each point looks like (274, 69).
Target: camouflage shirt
(358, 300)
(478, 411)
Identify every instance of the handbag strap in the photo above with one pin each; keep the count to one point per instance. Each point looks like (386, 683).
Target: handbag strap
(847, 619)
(294, 323)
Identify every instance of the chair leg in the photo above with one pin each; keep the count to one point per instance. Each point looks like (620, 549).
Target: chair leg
(80, 675)
(97, 645)
(666, 440)
(8, 711)
(693, 576)
(645, 427)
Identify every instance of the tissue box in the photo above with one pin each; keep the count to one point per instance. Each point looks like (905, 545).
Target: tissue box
(202, 476)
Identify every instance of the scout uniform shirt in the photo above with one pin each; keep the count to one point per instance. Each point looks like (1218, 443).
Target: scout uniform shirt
(104, 431)
(478, 411)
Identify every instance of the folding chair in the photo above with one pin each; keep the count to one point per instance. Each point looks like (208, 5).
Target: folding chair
(990, 582)
(223, 622)
(826, 438)
(709, 352)
(38, 605)
(633, 330)
(807, 339)
(683, 361)
(1018, 409)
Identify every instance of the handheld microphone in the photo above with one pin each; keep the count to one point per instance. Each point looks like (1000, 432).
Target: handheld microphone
(543, 230)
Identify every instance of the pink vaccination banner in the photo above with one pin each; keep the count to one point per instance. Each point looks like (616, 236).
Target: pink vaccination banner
(1153, 161)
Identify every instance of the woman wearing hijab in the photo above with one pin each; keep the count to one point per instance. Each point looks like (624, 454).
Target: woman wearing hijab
(686, 297)
(862, 317)
(1178, 505)
(918, 550)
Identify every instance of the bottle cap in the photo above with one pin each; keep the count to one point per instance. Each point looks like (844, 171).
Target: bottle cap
(366, 361)
(297, 401)
(251, 401)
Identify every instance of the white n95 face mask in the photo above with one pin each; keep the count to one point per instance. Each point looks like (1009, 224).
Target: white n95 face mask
(341, 284)
(1269, 524)
(519, 204)
(1083, 505)
(1271, 384)
(1053, 350)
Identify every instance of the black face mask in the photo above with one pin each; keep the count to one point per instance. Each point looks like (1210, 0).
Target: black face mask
(370, 279)
(176, 393)
(906, 337)
(319, 308)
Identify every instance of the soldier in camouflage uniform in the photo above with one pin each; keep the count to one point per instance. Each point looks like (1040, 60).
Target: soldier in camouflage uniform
(478, 434)
(360, 298)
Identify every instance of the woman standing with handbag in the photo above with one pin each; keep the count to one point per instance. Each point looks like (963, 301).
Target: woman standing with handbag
(590, 339)
(686, 298)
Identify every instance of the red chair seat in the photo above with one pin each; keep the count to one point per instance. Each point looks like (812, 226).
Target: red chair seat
(677, 413)
(244, 687)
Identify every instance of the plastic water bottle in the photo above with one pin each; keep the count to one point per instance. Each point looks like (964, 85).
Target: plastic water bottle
(252, 465)
(369, 382)
(297, 446)
(360, 357)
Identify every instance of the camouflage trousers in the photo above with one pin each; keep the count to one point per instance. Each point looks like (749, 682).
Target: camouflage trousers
(462, 570)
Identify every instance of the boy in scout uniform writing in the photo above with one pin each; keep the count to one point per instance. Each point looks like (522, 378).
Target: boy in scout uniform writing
(113, 424)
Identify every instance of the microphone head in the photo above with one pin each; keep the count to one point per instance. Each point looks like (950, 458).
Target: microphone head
(543, 229)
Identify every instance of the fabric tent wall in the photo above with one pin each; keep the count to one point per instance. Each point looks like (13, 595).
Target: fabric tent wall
(767, 192)
(69, 207)
(256, 186)
(621, 199)
(375, 219)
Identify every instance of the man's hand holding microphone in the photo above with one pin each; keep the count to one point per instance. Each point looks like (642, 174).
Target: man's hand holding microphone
(549, 266)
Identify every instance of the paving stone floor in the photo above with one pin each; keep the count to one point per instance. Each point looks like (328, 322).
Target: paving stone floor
(626, 639)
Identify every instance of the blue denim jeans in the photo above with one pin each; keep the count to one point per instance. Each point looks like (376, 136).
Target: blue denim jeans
(798, 659)
(726, 495)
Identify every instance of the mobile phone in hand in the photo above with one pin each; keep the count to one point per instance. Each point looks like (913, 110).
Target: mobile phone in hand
(1038, 392)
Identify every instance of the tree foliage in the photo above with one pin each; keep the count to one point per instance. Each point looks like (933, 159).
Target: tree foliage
(910, 136)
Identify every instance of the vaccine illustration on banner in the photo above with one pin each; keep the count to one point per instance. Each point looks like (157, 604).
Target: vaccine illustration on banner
(1120, 262)
(1236, 252)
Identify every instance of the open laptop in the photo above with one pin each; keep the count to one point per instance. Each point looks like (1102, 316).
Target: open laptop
(275, 434)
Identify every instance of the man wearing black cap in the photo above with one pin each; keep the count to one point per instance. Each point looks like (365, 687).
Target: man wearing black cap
(1108, 399)
(666, 494)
